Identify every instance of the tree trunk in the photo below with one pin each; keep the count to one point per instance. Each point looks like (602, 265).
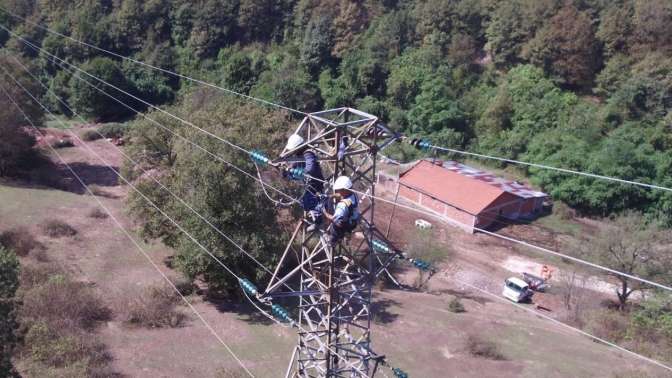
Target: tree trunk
(623, 295)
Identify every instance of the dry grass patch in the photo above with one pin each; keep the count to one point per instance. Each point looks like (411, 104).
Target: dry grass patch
(63, 303)
(20, 240)
(99, 191)
(480, 347)
(58, 317)
(56, 228)
(155, 307)
(33, 275)
(231, 373)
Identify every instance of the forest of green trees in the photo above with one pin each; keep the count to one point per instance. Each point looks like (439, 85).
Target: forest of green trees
(575, 84)
(579, 84)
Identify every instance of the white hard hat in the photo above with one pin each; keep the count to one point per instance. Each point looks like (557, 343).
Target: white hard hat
(294, 141)
(343, 182)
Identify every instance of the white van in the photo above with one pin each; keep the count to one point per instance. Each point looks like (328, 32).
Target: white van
(517, 290)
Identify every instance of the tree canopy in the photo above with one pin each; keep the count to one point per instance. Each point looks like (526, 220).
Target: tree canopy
(577, 84)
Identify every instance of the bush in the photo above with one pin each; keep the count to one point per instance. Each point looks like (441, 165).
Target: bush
(456, 306)
(97, 213)
(55, 348)
(563, 211)
(57, 228)
(33, 275)
(113, 130)
(154, 308)
(90, 135)
(479, 347)
(63, 304)
(184, 286)
(9, 282)
(57, 314)
(19, 240)
(62, 143)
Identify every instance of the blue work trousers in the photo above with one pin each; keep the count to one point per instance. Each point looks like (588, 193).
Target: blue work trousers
(312, 204)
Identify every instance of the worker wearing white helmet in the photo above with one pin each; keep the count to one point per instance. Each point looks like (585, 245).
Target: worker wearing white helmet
(312, 177)
(346, 213)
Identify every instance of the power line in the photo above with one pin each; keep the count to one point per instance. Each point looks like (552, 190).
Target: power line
(116, 221)
(548, 167)
(218, 157)
(526, 244)
(136, 164)
(542, 249)
(235, 146)
(497, 297)
(240, 279)
(269, 103)
(37, 48)
(127, 182)
(538, 248)
(169, 72)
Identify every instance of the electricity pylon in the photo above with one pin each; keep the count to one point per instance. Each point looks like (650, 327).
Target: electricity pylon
(335, 281)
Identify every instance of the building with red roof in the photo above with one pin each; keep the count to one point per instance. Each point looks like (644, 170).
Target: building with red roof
(467, 197)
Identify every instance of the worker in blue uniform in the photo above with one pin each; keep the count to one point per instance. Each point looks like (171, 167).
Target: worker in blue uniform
(311, 200)
(346, 215)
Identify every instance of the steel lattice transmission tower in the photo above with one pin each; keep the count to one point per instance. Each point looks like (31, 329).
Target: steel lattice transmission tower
(335, 282)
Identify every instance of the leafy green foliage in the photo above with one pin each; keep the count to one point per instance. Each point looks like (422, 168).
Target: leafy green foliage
(9, 283)
(316, 48)
(288, 84)
(113, 130)
(565, 83)
(89, 101)
(228, 199)
(15, 143)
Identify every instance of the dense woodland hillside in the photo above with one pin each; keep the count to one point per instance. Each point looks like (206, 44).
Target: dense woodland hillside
(576, 84)
(583, 84)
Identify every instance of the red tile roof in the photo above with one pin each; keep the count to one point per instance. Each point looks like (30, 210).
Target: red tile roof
(453, 187)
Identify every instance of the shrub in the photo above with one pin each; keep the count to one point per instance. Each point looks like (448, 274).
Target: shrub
(56, 348)
(184, 286)
(479, 347)
(90, 135)
(57, 228)
(456, 306)
(608, 324)
(113, 130)
(62, 143)
(563, 211)
(154, 307)
(19, 240)
(63, 304)
(97, 213)
(40, 254)
(33, 275)
(9, 282)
